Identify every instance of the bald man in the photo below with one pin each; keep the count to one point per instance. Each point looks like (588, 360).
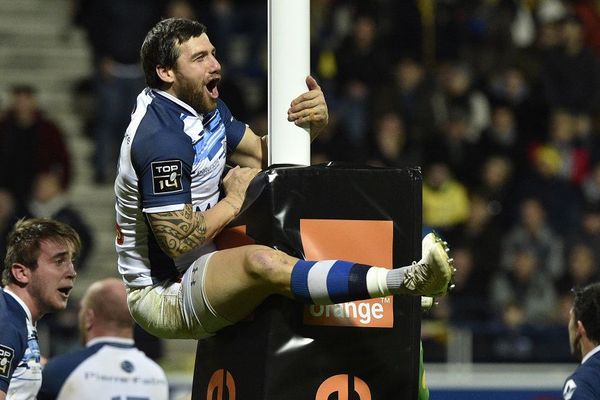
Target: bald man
(109, 364)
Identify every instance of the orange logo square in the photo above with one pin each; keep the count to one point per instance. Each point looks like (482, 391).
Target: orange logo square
(365, 242)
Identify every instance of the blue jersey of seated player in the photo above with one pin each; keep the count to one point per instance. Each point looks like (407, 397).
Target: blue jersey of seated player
(20, 367)
(170, 156)
(108, 368)
(584, 384)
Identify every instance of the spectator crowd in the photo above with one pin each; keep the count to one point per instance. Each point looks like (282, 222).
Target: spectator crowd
(498, 103)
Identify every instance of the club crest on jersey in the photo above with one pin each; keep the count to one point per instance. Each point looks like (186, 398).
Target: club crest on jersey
(569, 389)
(6, 356)
(166, 176)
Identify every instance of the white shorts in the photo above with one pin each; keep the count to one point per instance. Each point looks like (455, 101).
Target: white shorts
(177, 310)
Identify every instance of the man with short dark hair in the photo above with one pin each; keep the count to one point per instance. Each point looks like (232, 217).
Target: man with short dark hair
(584, 338)
(37, 278)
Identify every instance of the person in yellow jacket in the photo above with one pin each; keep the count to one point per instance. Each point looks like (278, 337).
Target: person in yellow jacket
(445, 199)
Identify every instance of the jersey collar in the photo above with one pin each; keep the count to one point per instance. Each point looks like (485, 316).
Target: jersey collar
(178, 102)
(21, 303)
(110, 340)
(590, 354)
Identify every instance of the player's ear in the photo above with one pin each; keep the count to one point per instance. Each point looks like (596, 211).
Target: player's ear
(167, 75)
(89, 317)
(581, 330)
(20, 273)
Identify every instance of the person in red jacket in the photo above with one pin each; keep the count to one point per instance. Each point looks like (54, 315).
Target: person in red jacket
(30, 143)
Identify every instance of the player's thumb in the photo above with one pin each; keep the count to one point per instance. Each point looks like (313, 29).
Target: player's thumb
(311, 83)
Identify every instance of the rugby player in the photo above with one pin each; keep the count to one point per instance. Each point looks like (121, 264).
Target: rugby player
(584, 338)
(37, 278)
(110, 363)
(171, 202)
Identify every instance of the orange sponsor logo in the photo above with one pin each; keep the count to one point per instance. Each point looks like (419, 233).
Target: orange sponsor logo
(342, 385)
(365, 242)
(221, 386)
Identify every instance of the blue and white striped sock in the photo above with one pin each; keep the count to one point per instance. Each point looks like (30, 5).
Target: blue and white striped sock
(336, 281)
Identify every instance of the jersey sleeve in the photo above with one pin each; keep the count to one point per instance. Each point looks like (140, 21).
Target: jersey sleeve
(234, 129)
(163, 164)
(58, 370)
(576, 388)
(11, 352)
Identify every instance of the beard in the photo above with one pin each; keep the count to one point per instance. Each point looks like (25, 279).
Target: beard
(195, 96)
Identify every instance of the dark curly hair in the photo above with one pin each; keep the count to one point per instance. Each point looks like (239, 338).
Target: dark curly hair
(586, 308)
(161, 46)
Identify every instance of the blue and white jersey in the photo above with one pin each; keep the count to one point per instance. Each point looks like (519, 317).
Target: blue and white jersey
(584, 384)
(170, 156)
(108, 368)
(20, 367)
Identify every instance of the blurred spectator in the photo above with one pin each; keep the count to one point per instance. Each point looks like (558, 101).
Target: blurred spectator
(361, 68)
(502, 138)
(591, 186)
(50, 200)
(180, 9)
(560, 200)
(480, 237)
(27, 134)
(574, 159)
(588, 231)
(588, 13)
(571, 71)
(469, 302)
(445, 200)
(493, 31)
(453, 146)
(393, 146)
(238, 30)
(550, 13)
(456, 94)
(8, 217)
(410, 96)
(582, 269)
(523, 293)
(532, 236)
(511, 88)
(448, 17)
(495, 185)
(115, 39)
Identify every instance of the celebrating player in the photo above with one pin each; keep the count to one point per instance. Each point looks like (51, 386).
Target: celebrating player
(170, 204)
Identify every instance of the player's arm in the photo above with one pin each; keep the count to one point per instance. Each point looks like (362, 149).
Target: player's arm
(11, 350)
(178, 232)
(579, 388)
(308, 110)
(251, 151)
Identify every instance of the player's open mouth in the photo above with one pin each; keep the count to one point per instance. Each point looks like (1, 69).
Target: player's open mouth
(65, 291)
(212, 88)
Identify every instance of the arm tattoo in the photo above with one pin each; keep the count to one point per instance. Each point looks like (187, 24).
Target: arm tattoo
(178, 232)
